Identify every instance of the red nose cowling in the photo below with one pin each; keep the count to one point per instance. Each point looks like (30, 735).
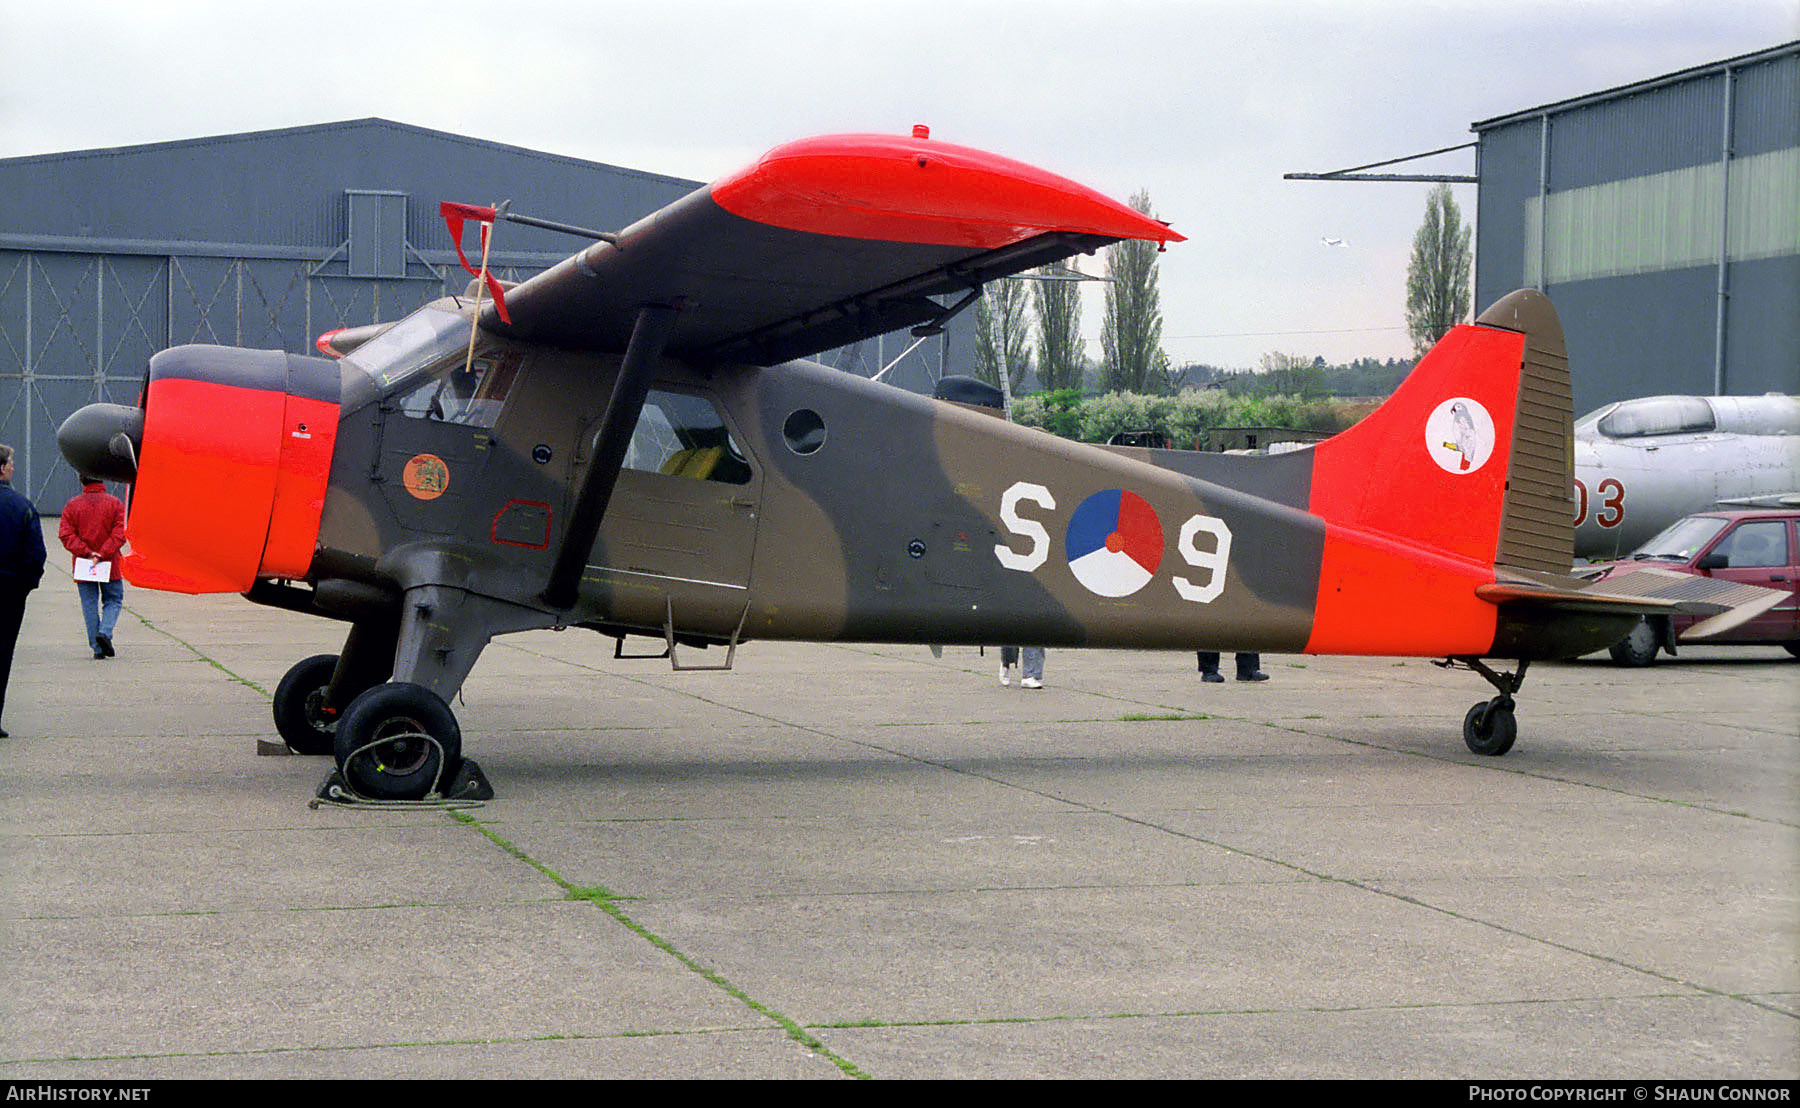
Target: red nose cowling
(232, 470)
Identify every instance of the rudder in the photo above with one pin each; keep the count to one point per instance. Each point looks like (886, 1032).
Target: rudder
(1465, 466)
(1537, 527)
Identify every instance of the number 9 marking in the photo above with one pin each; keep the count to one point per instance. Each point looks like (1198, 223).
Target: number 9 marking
(1213, 561)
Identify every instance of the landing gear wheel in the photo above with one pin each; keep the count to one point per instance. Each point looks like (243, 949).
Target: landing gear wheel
(398, 741)
(1792, 648)
(301, 718)
(1638, 647)
(1490, 728)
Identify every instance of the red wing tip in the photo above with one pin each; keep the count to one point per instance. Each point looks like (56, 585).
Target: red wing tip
(323, 343)
(874, 173)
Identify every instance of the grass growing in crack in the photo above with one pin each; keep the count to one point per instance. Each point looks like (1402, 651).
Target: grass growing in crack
(198, 653)
(605, 900)
(1176, 716)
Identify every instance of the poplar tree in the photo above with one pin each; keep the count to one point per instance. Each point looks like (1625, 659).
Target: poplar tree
(1131, 330)
(1437, 280)
(1057, 294)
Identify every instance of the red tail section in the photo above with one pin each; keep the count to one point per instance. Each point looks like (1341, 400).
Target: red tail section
(1415, 498)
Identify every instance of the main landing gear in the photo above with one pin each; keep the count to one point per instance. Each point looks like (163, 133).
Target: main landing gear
(393, 739)
(301, 717)
(1489, 727)
(398, 741)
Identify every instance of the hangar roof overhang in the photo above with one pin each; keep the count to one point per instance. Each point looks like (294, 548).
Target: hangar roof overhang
(1678, 77)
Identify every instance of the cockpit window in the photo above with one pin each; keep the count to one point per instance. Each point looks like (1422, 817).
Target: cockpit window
(679, 435)
(464, 390)
(424, 338)
(1657, 415)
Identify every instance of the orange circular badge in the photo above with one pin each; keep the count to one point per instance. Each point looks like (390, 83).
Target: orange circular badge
(426, 476)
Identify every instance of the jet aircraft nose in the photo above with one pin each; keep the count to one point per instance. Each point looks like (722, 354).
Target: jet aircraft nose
(103, 440)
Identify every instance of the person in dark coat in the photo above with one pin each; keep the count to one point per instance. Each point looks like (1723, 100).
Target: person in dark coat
(1249, 667)
(93, 529)
(21, 566)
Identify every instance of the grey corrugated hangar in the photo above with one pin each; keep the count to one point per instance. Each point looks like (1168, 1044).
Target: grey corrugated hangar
(1663, 220)
(268, 240)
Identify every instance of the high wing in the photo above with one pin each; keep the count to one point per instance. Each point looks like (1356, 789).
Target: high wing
(818, 244)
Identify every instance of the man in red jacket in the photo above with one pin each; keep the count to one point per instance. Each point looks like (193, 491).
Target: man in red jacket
(93, 530)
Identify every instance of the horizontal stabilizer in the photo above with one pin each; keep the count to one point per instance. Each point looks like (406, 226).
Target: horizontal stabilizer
(1646, 591)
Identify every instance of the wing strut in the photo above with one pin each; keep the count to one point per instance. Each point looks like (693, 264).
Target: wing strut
(649, 335)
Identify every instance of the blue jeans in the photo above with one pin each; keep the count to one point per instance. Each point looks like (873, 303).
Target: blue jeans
(100, 604)
(1031, 665)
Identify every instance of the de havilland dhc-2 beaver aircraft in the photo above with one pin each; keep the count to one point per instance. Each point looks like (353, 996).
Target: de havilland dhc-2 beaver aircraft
(629, 442)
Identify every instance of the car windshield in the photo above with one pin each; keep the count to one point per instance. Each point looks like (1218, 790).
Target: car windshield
(1683, 539)
(421, 339)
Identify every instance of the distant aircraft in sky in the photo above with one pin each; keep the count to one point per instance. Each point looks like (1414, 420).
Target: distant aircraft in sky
(1642, 464)
(1329, 241)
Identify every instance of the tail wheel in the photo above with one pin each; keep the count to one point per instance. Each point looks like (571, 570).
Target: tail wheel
(301, 717)
(1489, 728)
(398, 741)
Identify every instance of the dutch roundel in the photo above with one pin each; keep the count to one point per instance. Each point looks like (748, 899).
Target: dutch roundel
(1114, 543)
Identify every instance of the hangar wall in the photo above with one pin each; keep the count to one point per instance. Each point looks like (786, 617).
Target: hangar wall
(267, 240)
(1663, 219)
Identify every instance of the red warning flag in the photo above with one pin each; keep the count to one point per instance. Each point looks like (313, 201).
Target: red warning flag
(454, 214)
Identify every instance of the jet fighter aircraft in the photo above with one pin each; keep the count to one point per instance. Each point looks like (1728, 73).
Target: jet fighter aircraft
(1642, 464)
(636, 448)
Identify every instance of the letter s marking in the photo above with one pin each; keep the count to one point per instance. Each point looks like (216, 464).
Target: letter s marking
(1028, 560)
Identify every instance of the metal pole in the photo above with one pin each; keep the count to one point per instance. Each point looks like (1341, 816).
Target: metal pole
(99, 327)
(29, 377)
(1543, 281)
(1724, 290)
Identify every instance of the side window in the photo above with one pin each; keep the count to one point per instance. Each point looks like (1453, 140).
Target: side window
(460, 391)
(1758, 543)
(678, 435)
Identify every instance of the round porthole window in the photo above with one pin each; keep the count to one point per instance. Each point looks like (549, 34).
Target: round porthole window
(804, 431)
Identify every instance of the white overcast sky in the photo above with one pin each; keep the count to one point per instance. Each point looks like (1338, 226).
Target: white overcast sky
(1203, 104)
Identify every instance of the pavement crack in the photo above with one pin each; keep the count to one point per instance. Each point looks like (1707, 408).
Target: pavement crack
(608, 902)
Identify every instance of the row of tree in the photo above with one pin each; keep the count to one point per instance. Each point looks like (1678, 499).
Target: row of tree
(1033, 322)
(1187, 420)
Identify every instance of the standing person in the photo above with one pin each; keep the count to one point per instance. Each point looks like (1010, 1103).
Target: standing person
(1031, 667)
(93, 528)
(21, 565)
(1249, 667)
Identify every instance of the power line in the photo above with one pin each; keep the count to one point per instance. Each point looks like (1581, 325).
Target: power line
(1266, 334)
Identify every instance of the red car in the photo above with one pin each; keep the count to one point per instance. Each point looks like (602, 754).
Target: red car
(1756, 547)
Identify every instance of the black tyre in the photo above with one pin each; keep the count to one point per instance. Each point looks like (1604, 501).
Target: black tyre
(396, 741)
(1792, 648)
(1489, 728)
(1638, 647)
(301, 718)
